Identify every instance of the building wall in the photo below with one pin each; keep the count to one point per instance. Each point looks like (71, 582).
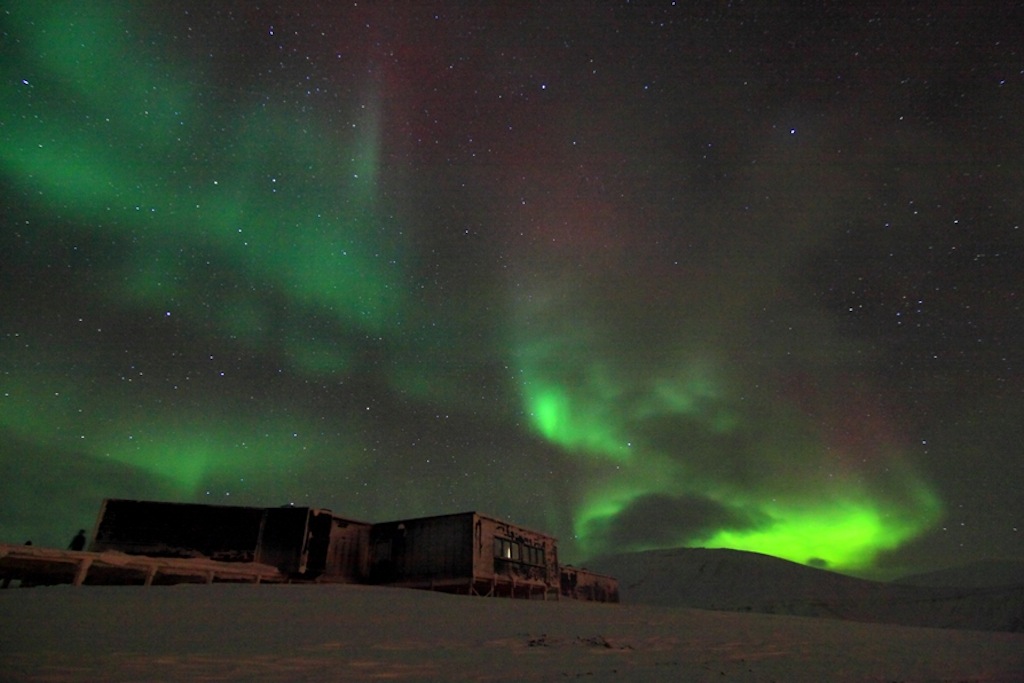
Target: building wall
(159, 529)
(465, 552)
(582, 584)
(300, 541)
(282, 539)
(348, 551)
(424, 550)
(511, 556)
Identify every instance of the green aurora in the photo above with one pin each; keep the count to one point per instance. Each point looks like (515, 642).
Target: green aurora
(217, 213)
(200, 220)
(794, 500)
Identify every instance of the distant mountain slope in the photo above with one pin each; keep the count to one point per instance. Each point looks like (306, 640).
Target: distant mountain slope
(734, 580)
(984, 574)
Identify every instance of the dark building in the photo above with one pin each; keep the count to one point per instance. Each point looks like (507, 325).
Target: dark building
(301, 542)
(583, 584)
(466, 552)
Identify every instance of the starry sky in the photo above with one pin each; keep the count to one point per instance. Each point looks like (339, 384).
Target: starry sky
(641, 275)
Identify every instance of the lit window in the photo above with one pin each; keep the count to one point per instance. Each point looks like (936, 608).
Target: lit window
(503, 548)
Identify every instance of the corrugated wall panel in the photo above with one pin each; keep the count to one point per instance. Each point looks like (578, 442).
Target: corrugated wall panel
(179, 529)
(432, 548)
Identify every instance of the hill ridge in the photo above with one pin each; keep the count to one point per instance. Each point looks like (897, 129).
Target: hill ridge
(741, 581)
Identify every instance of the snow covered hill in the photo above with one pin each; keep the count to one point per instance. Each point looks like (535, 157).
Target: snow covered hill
(984, 574)
(750, 582)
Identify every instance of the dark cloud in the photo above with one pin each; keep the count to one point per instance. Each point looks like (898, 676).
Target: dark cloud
(660, 521)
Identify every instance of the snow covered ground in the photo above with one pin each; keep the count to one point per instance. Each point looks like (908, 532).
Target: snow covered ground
(233, 632)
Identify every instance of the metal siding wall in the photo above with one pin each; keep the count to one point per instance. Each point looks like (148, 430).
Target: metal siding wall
(348, 554)
(179, 529)
(433, 548)
(437, 548)
(282, 538)
(581, 584)
(483, 557)
(485, 566)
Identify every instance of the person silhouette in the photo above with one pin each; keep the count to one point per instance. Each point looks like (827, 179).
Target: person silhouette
(78, 542)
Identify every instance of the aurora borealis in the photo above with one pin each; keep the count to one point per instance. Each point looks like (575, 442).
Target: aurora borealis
(639, 275)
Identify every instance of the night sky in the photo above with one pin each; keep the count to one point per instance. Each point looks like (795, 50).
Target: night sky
(640, 275)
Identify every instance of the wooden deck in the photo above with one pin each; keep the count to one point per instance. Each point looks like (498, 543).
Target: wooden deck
(35, 566)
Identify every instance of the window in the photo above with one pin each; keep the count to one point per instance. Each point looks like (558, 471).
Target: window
(513, 551)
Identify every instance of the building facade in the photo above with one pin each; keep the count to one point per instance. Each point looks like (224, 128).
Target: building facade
(467, 552)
